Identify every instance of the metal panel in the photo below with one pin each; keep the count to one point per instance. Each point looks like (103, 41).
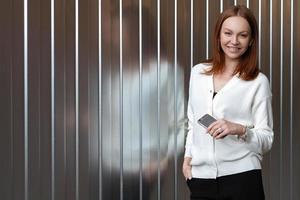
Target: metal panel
(110, 127)
(149, 91)
(64, 77)
(167, 98)
(275, 161)
(183, 76)
(6, 136)
(213, 12)
(87, 99)
(131, 100)
(295, 137)
(39, 90)
(199, 31)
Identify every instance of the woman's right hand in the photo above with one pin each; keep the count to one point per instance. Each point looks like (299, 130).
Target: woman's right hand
(187, 168)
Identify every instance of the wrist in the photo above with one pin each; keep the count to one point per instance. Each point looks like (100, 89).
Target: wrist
(244, 133)
(243, 130)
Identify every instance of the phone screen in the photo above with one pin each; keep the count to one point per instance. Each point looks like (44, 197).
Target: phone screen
(206, 120)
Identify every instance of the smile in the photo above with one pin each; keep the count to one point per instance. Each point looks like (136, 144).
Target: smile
(233, 49)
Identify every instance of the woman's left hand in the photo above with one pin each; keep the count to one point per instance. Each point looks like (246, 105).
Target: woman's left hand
(221, 128)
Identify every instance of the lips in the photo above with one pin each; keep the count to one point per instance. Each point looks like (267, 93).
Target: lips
(233, 49)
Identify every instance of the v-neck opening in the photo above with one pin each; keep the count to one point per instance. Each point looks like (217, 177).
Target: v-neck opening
(225, 86)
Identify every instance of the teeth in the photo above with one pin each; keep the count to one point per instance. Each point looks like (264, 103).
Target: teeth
(233, 49)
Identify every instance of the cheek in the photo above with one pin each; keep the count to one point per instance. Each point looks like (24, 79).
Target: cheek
(224, 40)
(246, 42)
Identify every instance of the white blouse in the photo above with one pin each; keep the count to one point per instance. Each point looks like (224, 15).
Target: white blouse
(244, 102)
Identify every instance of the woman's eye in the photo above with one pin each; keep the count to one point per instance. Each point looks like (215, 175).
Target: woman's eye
(227, 33)
(244, 35)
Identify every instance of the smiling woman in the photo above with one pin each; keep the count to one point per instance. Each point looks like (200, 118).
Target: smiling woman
(223, 161)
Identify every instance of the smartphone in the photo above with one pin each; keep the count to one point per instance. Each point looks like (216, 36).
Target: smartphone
(206, 120)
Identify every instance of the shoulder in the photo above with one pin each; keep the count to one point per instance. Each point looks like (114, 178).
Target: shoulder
(262, 84)
(262, 79)
(200, 68)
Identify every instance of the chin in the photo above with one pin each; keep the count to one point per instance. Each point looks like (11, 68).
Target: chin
(233, 56)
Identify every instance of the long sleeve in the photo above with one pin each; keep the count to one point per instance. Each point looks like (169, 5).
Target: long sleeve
(261, 136)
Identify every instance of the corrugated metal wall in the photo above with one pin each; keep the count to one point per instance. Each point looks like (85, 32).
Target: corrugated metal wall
(93, 95)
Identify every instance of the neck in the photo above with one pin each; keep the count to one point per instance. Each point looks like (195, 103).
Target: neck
(230, 66)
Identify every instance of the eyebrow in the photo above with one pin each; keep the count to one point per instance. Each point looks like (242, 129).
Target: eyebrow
(239, 32)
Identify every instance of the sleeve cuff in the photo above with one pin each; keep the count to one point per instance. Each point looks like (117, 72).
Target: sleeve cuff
(246, 134)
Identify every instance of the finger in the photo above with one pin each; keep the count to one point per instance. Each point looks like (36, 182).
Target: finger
(185, 173)
(214, 129)
(222, 135)
(217, 132)
(189, 174)
(210, 127)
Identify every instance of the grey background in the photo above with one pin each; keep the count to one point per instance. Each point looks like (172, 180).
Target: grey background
(94, 94)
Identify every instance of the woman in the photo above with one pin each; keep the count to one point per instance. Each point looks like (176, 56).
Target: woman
(224, 160)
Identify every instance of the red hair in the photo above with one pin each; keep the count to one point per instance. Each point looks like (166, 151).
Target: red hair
(247, 67)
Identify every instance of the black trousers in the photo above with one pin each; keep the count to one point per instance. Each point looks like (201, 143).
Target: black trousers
(242, 186)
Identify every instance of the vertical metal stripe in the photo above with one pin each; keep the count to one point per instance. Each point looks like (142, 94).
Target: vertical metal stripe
(259, 33)
(11, 122)
(121, 99)
(281, 97)
(271, 45)
(192, 33)
(52, 103)
(100, 97)
(140, 100)
(207, 27)
(77, 96)
(291, 99)
(26, 181)
(235, 2)
(175, 104)
(248, 4)
(158, 99)
(271, 67)
(221, 6)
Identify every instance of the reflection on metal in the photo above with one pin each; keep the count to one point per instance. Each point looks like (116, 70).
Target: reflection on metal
(121, 99)
(26, 149)
(100, 139)
(221, 6)
(259, 33)
(158, 98)
(207, 29)
(77, 97)
(281, 97)
(192, 33)
(271, 44)
(291, 100)
(52, 103)
(141, 100)
(175, 100)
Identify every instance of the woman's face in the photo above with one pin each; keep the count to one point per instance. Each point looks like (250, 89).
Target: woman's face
(235, 37)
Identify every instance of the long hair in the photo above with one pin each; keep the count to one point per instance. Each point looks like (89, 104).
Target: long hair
(247, 67)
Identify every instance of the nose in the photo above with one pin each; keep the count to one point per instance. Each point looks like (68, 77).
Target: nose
(235, 40)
